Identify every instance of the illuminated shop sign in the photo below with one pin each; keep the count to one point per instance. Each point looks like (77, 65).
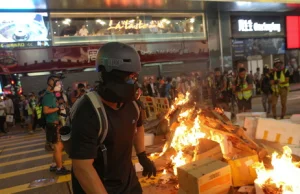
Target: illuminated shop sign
(133, 24)
(257, 26)
(250, 26)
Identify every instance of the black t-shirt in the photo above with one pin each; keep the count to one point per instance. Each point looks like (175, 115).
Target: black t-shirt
(287, 74)
(122, 125)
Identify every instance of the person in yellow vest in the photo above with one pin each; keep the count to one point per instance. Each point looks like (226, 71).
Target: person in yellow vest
(280, 87)
(243, 90)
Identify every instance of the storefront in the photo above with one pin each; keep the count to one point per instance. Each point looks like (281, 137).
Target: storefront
(95, 28)
(257, 40)
(169, 43)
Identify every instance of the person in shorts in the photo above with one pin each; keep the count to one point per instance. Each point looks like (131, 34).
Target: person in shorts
(51, 110)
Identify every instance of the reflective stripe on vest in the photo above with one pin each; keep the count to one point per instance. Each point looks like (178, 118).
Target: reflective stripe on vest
(38, 111)
(275, 88)
(245, 94)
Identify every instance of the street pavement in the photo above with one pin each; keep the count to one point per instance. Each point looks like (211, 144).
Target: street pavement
(293, 104)
(24, 167)
(23, 160)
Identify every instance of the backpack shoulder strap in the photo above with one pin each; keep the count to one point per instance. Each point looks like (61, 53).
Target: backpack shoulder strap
(138, 110)
(100, 110)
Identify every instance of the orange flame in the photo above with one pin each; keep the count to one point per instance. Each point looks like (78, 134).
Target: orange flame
(285, 173)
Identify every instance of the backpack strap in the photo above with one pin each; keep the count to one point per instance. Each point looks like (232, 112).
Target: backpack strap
(99, 108)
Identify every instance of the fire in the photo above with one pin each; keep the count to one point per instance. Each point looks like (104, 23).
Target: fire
(180, 100)
(186, 135)
(219, 110)
(285, 174)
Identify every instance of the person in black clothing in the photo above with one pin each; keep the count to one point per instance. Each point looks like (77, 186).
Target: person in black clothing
(118, 65)
(78, 93)
(219, 90)
(266, 91)
(152, 88)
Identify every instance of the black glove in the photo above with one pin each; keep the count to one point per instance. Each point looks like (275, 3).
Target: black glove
(147, 164)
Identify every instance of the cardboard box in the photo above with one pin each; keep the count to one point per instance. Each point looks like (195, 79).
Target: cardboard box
(205, 176)
(209, 149)
(242, 171)
(240, 118)
(250, 125)
(284, 132)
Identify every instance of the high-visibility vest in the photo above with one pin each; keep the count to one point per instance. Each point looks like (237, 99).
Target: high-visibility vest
(38, 110)
(276, 87)
(245, 94)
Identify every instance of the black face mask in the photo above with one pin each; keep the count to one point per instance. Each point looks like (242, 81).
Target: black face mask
(119, 93)
(117, 90)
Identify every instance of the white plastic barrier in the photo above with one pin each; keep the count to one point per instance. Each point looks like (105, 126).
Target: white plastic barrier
(280, 131)
(240, 118)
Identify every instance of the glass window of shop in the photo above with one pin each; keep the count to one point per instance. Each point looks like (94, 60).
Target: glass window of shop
(68, 31)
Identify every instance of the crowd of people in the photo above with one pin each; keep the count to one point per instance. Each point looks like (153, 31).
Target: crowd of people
(229, 90)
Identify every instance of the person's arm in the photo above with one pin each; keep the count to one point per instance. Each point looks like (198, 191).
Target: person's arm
(149, 168)
(138, 141)
(47, 103)
(47, 110)
(84, 148)
(88, 177)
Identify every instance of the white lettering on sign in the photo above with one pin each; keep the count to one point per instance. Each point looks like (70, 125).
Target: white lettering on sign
(92, 54)
(249, 26)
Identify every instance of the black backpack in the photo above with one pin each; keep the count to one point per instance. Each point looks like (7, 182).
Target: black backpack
(66, 131)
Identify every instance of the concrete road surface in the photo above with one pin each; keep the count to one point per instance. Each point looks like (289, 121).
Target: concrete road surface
(293, 104)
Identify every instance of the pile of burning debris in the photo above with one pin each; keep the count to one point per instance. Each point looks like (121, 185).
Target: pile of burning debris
(192, 127)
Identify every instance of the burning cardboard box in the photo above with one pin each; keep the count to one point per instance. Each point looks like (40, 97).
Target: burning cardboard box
(205, 176)
(283, 178)
(242, 171)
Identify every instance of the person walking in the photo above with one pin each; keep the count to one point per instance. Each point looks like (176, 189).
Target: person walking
(92, 173)
(51, 110)
(243, 90)
(266, 91)
(257, 79)
(280, 87)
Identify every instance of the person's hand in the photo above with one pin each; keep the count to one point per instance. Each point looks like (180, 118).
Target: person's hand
(276, 81)
(147, 164)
